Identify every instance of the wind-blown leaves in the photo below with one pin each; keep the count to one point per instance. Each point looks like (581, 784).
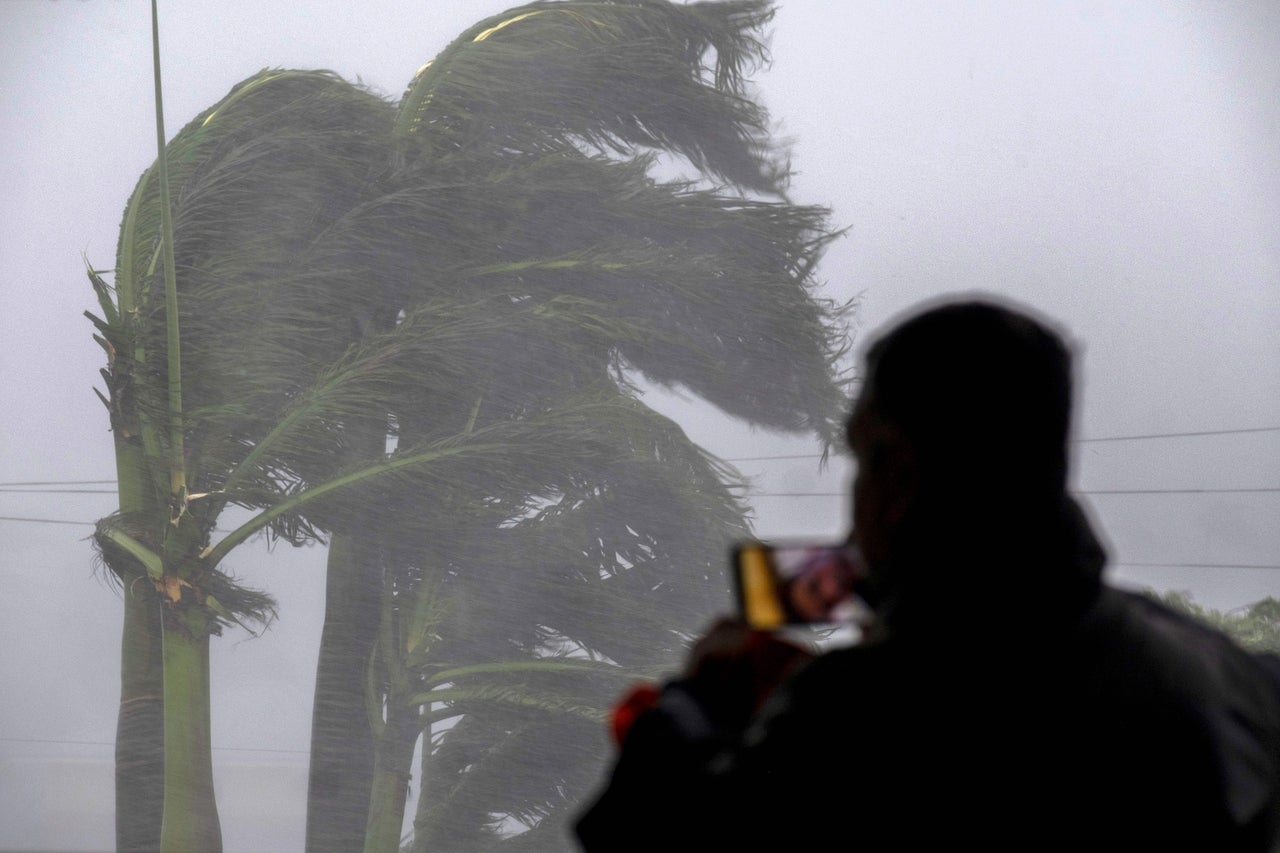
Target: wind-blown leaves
(613, 76)
(414, 330)
(510, 204)
(257, 178)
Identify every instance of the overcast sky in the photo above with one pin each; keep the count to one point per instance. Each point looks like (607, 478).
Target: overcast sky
(1116, 165)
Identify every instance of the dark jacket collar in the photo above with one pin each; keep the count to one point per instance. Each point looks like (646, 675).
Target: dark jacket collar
(1011, 571)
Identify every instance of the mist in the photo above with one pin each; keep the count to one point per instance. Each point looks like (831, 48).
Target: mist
(1116, 167)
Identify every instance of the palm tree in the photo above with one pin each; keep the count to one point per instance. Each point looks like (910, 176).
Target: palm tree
(193, 415)
(549, 263)
(470, 279)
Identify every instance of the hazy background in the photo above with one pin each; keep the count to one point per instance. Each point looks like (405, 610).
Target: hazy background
(1116, 165)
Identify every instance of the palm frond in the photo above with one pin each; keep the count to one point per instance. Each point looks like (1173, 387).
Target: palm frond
(522, 766)
(617, 76)
(711, 291)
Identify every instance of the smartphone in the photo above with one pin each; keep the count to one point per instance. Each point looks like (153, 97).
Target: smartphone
(777, 584)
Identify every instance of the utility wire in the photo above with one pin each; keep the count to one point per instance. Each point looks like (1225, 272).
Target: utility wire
(1175, 491)
(1181, 434)
(1251, 490)
(32, 491)
(1076, 492)
(1195, 565)
(1266, 490)
(63, 483)
(48, 521)
(1077, 440)
(110, 743)
(783, 456)
(1126, 565)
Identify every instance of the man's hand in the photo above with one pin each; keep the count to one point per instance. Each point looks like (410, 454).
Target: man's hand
(733, 669)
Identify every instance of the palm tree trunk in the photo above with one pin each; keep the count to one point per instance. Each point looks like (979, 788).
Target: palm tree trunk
(190, 811)
(420, 817)
(342, 761)
(140, 726)
(342, 744)
(391, 781)
(140, 722)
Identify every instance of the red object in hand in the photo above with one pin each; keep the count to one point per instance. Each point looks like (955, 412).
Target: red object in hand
(640, 698)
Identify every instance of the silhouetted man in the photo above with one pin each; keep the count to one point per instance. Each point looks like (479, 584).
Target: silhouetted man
(1004, 698)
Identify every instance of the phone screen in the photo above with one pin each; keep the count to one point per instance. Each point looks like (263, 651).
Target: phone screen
(800, 583)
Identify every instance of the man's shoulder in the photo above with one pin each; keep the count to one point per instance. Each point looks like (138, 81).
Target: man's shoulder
(1130, 639)
(1142, 657)
(1125, 644)
(1147, 627)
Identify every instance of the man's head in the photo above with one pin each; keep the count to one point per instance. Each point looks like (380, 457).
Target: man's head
(962, 421)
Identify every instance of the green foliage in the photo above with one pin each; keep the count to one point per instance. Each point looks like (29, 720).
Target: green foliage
(1255, 627)
(257, 178)
(472, 278)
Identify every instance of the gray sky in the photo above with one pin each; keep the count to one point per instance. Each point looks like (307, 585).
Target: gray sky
(1116, 165)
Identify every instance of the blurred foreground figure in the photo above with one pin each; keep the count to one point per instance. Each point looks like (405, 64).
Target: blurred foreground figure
(1005, 698)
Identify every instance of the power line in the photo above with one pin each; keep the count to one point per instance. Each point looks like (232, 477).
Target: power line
(60, 491)
(62, 483)
(1195, 565)
(1262, 566)
(1077, 492)
(48, 521)
(1175, 491)
(1181, 434)
(1077, 440)
(110, 743)
(1265, 490)
(770, 458)
(3, 486)
(1260, 490)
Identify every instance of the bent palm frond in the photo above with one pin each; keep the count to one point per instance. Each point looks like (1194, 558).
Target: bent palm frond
(615, 76)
